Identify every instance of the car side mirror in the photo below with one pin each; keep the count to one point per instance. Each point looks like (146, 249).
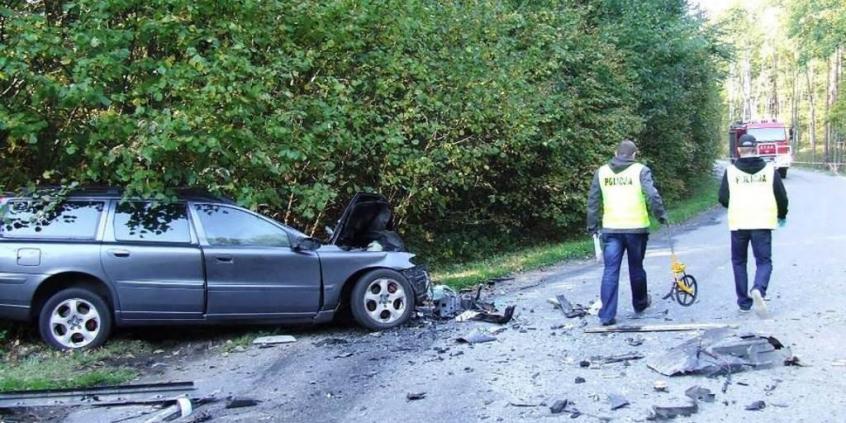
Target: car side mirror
(307, 244)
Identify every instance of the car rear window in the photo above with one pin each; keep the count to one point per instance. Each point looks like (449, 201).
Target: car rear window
(147, 222)
(40, 219)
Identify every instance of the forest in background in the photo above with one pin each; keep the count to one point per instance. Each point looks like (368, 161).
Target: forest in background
(481, 121)
(788, 65)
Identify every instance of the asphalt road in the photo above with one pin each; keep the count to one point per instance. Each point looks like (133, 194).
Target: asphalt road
(533, 363)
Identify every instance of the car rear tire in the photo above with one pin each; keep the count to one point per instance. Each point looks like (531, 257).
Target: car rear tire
(382, 299)
(75, 318)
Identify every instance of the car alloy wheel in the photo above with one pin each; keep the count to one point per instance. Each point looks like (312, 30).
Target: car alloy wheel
(75, 323)
(75, 318)
(385, 300)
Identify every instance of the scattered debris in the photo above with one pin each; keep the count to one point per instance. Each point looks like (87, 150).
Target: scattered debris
(466, 315)
(594, 308)
(493, 317)
(756, 406)
(448, 304)
(618, 358)
(658, 328)
(522, 404)
(148, 393)
(414, 396)
(559, 406)
(580, 379)
(240, 402)
(569, 310)
(839, 363)
(772, 387)
(584, 363)
(719, 352)
(698, 393)
(182, 408)
(660, 386)
(686, 408)
(476, 338)
(274, 340)
(617, 401)
(636, 341)
(793, 361)
(345, 354)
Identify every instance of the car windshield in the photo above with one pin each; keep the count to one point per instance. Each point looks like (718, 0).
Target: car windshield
(767, 134)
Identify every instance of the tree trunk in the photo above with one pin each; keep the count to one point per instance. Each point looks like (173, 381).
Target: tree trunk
(812, 125)
(747, 89)
(828, 100)
(774, 101)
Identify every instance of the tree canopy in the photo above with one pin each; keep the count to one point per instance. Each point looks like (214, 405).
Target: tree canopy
(475, 118)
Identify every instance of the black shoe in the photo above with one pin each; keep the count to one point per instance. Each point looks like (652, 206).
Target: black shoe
(648, 304)
(609, 323)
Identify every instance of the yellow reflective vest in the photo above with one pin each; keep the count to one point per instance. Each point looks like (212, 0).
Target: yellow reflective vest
(623, 202)
(752, 203)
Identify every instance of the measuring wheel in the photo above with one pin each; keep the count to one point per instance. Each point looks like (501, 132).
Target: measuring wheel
(686, 290)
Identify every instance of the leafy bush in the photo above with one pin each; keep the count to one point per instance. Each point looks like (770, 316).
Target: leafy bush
(479, 120)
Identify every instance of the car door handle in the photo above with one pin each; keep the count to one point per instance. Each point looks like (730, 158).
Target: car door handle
(119, 252)
(224, 259)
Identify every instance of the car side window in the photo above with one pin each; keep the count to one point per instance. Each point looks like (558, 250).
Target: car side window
(228, 226)
(40, 219)
(152, 222)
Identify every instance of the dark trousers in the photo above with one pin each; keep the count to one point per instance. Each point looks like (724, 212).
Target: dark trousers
(762, 247)
(634, 245)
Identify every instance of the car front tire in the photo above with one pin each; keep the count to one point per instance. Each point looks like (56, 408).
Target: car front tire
(382, 299)
(75, 318)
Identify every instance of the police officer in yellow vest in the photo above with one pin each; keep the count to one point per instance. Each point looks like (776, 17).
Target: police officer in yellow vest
(620, 190)
(757, 203)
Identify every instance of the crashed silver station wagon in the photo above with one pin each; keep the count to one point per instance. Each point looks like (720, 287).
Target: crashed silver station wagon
(94, 261)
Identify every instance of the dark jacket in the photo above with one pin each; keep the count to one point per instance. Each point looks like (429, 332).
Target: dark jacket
(753, 165)
(594, 206)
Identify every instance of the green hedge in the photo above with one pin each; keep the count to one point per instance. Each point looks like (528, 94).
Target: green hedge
(482, 121)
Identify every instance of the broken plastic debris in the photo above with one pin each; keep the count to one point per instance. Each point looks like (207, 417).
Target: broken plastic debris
(618, 358)
(414, 396)
(559, 406)
(684, 408)
(617, 401)
(698, 393)
(569, 310)
(273, 340)
(466, 315)
(476, 338)
(719, 352)
(756, 406)
(660, 386)
(593, 310)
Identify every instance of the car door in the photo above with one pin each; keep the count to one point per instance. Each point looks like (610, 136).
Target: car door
(251, 269)
(154, 260)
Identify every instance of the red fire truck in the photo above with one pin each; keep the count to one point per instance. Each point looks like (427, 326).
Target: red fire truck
(773, 142)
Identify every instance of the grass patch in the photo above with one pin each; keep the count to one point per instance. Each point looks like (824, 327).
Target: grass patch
(33, 365)
(703, 197)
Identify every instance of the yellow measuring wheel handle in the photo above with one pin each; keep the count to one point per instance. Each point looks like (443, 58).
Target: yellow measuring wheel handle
(683, 286)
(677, 266)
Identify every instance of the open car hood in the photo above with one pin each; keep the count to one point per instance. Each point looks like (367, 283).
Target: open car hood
(367, 213)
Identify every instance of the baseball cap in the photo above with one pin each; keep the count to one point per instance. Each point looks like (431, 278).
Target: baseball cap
(746, 140)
